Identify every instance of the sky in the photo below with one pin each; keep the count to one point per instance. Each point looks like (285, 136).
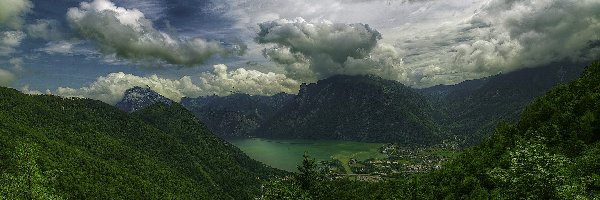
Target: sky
(188, 48)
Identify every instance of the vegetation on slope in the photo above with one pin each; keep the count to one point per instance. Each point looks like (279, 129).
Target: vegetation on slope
(551, 153)
(52, 147)
(475, 107)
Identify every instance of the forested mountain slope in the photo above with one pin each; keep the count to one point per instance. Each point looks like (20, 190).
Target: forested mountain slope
(550, 153)
(86, 149)
(473, 108)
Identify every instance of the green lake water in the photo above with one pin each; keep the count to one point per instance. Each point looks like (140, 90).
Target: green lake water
(287, 154)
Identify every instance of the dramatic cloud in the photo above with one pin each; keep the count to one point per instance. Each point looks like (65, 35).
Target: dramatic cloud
(12, 11)
(311, 51)
(6, 78)
(530, 33)
(502, 36)
(413, 50)
(417, 42)
(110, 89)
(129, 34)
(437, 42)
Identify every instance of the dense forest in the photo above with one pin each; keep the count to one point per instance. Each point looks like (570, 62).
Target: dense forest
(68, 148)
(61, 148)
(473, 108)
(550, 153)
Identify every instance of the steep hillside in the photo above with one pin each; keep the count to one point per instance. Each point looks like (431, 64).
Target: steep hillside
(550, 153)
(237, 115)
(475, 107)
(364, 108)
(85, 149)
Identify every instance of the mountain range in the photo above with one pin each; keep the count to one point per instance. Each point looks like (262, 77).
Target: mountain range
(237, 115)
(473, 108)
(372, 109)
(362, 108)
(551, 152)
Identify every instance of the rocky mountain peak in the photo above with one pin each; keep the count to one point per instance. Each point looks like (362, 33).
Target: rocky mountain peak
(137, 98)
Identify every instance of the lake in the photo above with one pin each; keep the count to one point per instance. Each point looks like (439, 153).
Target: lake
(287, 154)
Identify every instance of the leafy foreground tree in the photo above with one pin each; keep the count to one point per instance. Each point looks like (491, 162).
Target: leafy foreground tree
(553, 152)
(301, 185)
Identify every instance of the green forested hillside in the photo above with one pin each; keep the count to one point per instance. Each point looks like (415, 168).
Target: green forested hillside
(475, 107)
(551, 153)
(57, 148)
(85, 149)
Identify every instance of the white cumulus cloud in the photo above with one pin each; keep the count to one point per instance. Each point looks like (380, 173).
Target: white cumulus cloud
(111, 88)
(129, 34)
(223, 82)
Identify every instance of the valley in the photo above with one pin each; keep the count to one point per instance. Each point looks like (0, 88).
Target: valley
(348, 158)
(300, 100)
(287, 154)
(72, 140)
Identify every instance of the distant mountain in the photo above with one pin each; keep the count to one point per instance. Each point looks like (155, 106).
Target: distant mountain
(84, 149)
(368, 108)
(137, 98)
(473, 108)
(551, 152)
(237, 115)
(363, 108)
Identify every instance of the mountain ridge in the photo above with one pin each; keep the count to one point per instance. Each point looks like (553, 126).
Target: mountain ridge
(352, 107)
(466, 111)
(84, 148)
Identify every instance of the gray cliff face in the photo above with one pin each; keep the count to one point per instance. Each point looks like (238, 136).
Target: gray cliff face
(138, 98)
(360, 108)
